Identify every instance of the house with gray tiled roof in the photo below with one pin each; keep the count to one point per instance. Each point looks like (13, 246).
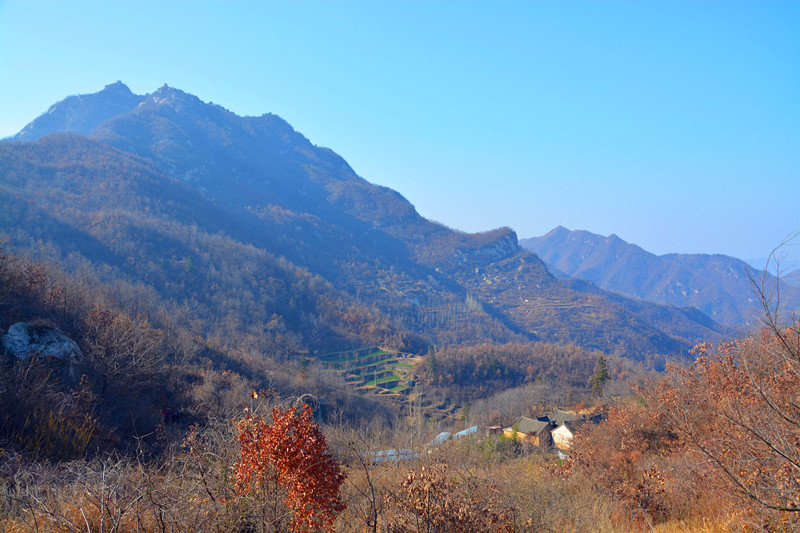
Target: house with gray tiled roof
(564, 433)
(536, 432)
(556, 429)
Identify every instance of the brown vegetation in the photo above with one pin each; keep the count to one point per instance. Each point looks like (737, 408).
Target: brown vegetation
(156, 430)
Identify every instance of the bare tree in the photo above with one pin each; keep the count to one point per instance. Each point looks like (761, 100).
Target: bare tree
(738, 407)
(121, 348)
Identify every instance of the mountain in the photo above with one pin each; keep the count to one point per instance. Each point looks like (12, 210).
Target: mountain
(81, 113)
(717, 285)
(252, 232)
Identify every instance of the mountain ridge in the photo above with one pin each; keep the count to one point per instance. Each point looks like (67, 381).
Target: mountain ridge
(81, 113)
(715, 284)
(275, 191)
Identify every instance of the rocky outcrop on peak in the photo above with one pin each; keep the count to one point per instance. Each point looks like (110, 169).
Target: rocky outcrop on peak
(504, 247)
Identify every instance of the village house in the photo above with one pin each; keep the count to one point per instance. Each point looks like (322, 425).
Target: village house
(560, 416)
(565, 432)
(536, 432)
(563, 435)
(557, 429)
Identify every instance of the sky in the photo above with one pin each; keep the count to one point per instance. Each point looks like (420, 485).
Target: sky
(675, 125)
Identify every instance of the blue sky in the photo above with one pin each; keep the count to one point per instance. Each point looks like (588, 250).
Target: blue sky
(675, 125)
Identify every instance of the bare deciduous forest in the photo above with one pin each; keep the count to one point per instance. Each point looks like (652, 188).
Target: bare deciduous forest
(153, 429)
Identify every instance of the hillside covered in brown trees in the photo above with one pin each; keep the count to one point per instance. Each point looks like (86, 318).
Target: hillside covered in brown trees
(252, 231)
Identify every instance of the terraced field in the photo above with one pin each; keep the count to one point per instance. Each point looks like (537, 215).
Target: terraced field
(371, 370)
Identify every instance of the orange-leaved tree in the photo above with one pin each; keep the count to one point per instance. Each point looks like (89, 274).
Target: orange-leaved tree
(738, 406)
(290, 456)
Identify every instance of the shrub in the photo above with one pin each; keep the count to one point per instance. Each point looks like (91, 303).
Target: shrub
(433, 499)
(289, 457)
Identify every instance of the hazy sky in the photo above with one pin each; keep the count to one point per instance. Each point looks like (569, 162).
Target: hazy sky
(675, 125)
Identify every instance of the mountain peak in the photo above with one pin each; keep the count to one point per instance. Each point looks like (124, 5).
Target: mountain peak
(186, 174)
(166, 89)
(117, 87)
(174, 98)
(81, 113)
(558, 231)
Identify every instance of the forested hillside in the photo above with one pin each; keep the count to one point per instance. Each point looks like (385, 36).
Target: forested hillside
(250, 231)
(147, 427)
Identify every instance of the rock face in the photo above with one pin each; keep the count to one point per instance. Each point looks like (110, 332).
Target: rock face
(25, 339)
(498, 250)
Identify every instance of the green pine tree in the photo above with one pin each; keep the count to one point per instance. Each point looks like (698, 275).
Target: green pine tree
(430, 361)
(600, 376)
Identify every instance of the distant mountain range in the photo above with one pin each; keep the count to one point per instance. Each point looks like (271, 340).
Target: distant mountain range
(717, 285)
(253, 233)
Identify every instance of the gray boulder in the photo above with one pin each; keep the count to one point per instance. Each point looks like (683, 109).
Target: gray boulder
(26, 339)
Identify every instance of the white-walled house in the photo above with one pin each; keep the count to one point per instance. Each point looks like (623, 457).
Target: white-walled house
(562, 435)
(565, 432)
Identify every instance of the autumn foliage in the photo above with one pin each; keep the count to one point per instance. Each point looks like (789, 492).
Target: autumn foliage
(719, 436)
(291, 454)
(632, 457)
(737, 406)
(435, 499)
(708, 446)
